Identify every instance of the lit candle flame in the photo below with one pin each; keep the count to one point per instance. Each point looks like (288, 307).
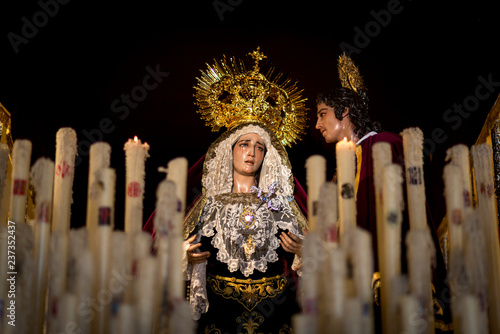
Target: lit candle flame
(135, 138)
(345, 138)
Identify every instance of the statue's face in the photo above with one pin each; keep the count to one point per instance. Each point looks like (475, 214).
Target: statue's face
(248, 154)
(332, 129)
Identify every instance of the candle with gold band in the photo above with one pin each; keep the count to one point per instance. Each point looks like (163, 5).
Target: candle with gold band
(345, 152)
(390, 245)
(99, 157)
(105, 203)
(315, 176)
(63, 179)
(413, 141)
(135, 156)
(483, 169)
(459, 156)
(21, 160)
(42, 178)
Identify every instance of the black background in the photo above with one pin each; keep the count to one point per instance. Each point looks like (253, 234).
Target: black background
(85, 55)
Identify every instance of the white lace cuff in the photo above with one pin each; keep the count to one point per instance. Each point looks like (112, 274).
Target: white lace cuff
(297, 262)
(198, 290)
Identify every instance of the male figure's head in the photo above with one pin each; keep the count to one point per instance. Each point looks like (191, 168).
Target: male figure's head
(343, 112)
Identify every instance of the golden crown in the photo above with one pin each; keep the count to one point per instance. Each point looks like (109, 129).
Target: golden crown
(349, 74)
(228, 95)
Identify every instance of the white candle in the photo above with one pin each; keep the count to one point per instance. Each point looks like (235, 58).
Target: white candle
(458, 155)
(410, 323)
(121, 262)
(327, 212)
(135, 156)
(353, 314)
(21, 160)
(146, 299)
(67, 318)
(483, 167)
(63, 179)
(182, 319)
(106, 178)
(162, 314)
(361, 255)
(4, 184)
(468, 318)
(175, 276)
(413, 142)
(141, 243)
(333, 278)
(58, 273)
(84, 281)
(127, 319)
(177, 172)
(315, 176)
(454, 190)
(382, 156)
(42, 178)
(99, 157)
(310, 272)
(346, 174)
(303, 323)
(476, 267)
(420, 251)
(166, 207)
(390, 245)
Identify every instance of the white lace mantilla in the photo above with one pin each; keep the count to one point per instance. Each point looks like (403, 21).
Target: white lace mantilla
(219, 178)
(242, 245)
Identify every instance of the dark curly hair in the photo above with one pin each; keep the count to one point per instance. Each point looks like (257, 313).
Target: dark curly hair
(341, 98)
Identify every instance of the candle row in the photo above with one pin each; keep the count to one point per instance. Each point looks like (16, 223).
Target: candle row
(338, 256)
(94, 279)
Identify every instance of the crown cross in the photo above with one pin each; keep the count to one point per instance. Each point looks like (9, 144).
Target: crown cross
(257, 56)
